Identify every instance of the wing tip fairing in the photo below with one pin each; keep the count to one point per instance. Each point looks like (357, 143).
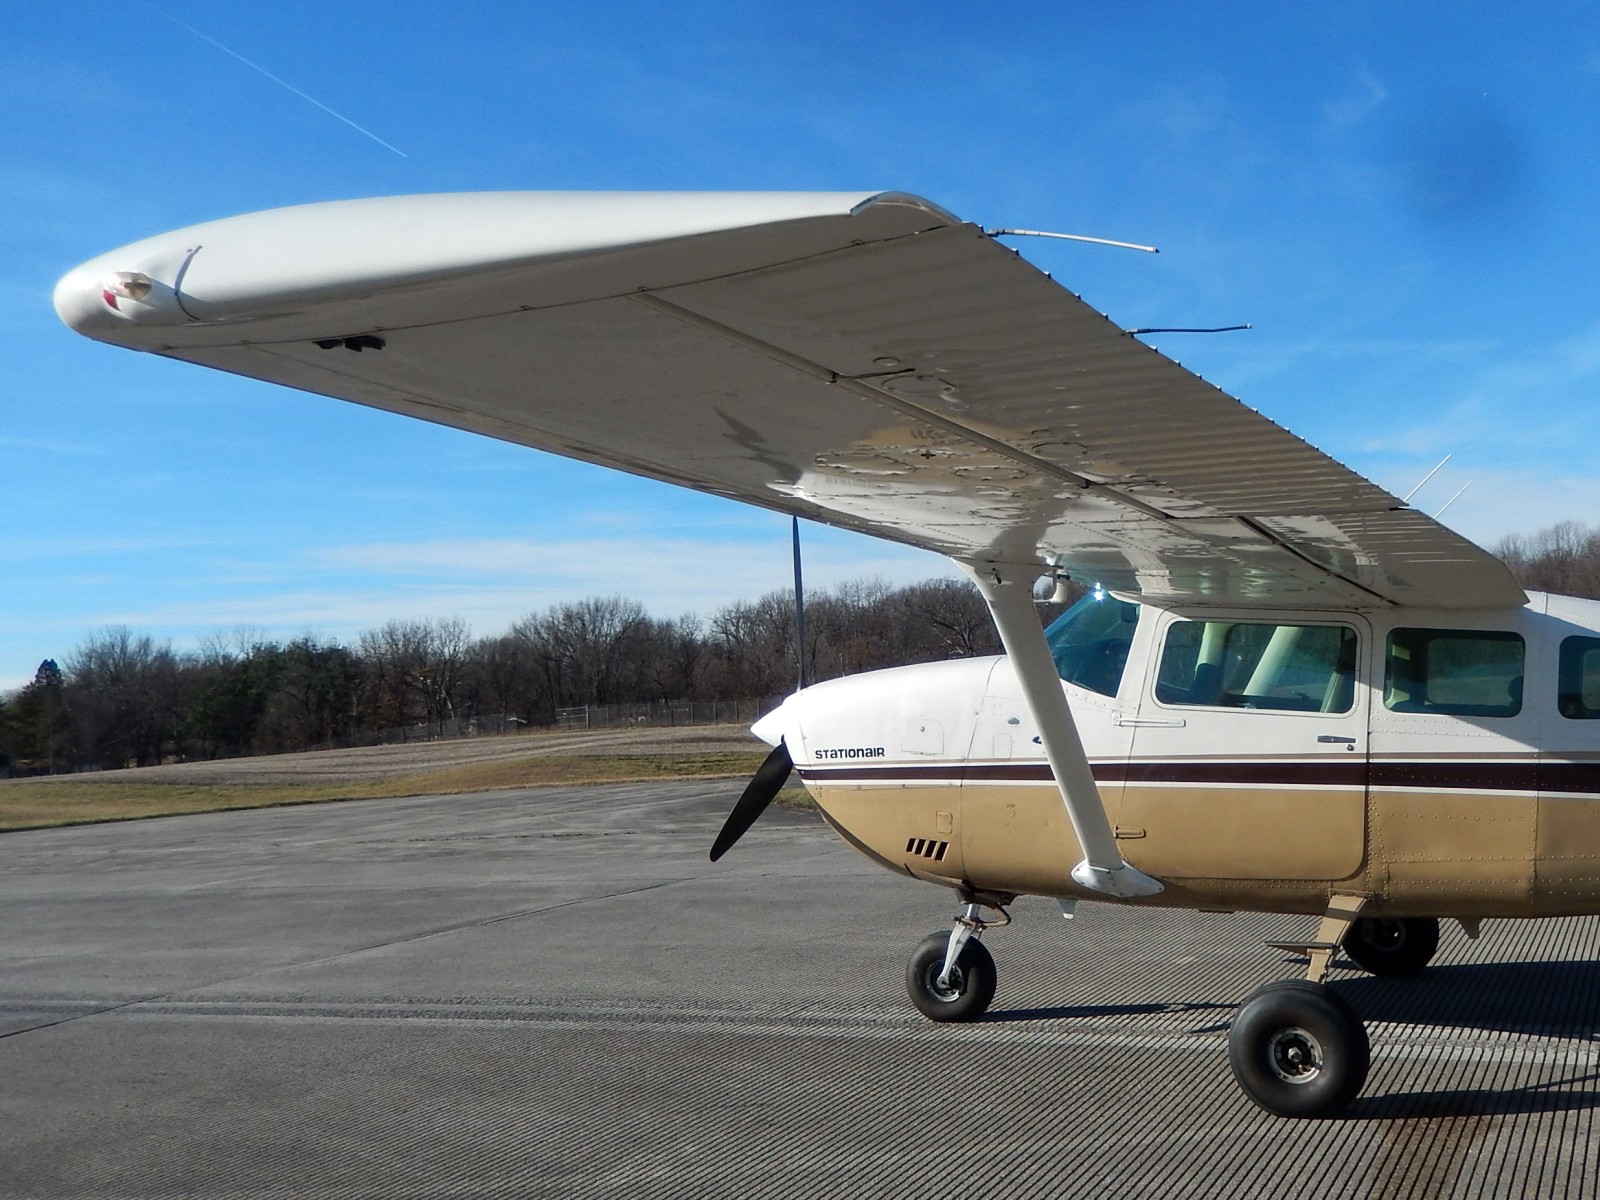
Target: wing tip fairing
(258, 266)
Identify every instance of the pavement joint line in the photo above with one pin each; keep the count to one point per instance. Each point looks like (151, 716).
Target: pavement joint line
(830, 1026)
(175, 997)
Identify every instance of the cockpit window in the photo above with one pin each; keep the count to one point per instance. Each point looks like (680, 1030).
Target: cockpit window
(1250, 664)
(1089, 642)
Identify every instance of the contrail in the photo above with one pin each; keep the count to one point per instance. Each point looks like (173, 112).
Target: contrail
(281, 83)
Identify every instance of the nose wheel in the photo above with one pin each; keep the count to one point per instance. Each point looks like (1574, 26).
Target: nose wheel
(952, 976)
(964, 993)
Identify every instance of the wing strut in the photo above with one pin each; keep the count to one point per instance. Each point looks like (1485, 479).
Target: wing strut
(1008, 590)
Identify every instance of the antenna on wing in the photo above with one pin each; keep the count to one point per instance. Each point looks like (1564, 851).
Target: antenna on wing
(799, 612)
(1406, 499)
(1071, 237)
(1452, 499)
(1218, 329)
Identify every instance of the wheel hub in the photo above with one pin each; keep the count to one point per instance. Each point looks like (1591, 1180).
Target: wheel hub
(1386, 936)
(950, 989)
(1295, 1055)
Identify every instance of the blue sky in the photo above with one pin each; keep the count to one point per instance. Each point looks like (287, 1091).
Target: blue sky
(1400, 199)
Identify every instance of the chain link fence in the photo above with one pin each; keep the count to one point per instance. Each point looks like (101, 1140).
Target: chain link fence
(591, 716)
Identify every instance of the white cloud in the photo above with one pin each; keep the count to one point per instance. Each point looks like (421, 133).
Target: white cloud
(490, 583)
(1535, 401)
(1503, 502)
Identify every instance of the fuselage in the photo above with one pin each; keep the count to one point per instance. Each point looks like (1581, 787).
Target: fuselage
(1445, 763)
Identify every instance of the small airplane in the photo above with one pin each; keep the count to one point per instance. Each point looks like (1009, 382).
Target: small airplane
(1288, 692)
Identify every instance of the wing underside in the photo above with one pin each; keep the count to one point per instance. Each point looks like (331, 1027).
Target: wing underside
(865, 360)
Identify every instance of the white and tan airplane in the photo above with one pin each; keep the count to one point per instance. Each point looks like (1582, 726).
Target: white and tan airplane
(1288, 693)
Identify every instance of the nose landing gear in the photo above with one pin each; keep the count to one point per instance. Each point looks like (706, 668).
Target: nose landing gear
(952, 976)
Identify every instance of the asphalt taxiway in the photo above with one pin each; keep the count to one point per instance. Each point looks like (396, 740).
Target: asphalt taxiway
(553, 993)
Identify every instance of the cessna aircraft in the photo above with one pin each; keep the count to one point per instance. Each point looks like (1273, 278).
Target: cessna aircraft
(1288, 692)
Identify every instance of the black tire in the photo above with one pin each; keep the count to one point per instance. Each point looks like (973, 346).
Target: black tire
(971, 989)
(1392, 945)
(1298, 1050)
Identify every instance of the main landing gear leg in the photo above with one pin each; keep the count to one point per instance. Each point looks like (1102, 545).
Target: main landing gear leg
(1297, 1049)
(952, 975)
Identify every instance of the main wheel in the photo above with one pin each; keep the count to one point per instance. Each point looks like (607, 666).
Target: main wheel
(969, 990)
(1392, 945)
(1298, 1050)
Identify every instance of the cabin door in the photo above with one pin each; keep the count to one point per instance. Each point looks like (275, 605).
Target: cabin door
(1249, 755)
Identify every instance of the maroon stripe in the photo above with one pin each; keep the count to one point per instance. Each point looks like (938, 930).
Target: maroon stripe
(1563, 778)
(1569, 777)
(1338, 773)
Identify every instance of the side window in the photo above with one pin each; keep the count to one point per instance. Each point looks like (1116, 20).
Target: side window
(1578, 695)
(1456, 672)
(1246, 664)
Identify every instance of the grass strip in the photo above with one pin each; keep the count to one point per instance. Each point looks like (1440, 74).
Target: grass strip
(113, 796)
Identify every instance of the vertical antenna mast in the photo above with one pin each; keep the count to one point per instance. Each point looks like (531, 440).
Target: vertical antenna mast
(799, 611)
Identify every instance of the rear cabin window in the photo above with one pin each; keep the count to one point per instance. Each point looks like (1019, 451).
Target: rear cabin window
(1089, 642)
(1454, 672)
(1247, 664)
(1578, 693)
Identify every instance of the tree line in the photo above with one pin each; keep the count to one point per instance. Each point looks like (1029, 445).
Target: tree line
(123, 699)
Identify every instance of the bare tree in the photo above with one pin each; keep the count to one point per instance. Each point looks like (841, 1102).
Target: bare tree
(125, 696)
(1564, 558)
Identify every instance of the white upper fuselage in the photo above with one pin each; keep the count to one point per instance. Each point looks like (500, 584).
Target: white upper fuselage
(1321, 787)
(971, 711)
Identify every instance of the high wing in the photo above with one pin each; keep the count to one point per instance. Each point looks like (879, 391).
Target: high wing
(862, 359)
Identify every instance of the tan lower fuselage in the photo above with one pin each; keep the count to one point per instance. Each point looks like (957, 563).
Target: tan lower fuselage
(1258, 845)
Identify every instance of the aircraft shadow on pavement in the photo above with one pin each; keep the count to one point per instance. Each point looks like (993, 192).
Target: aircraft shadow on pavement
(1559, 1000)
(1547, 999)
(1558, 1095)
(1091, 1011)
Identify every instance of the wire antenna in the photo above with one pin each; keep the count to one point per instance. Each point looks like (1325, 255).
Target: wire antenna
(1218, 329)
(1406, 499)
(1071, 237)
(1452, 499)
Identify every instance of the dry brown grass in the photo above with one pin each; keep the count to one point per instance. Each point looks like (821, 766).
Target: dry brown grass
(126, 795)
(795, 797)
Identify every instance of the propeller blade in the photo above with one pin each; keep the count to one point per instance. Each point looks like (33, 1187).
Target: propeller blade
(758, 793)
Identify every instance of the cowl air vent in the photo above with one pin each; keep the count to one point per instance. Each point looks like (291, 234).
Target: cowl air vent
(926, 848)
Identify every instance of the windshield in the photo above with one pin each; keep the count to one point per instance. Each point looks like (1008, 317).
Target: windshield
(1089, 641)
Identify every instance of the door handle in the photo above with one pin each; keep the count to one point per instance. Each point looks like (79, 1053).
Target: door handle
(1126, 722)
(1335, 739)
